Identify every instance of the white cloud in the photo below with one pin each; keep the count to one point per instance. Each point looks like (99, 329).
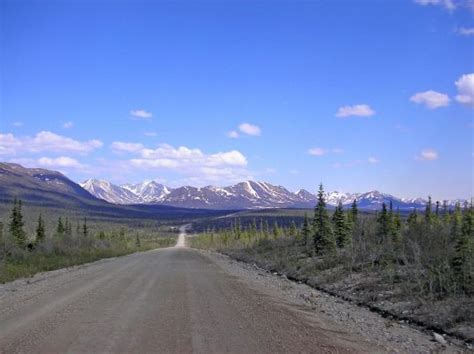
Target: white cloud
(9, 144)
(465, 86)
(358, 110)
(45, 141)
(216, 176)
(464, 31)
(448, 4)
(62, 161)
(180, 158)
(250, 129)
(141, 114)
(198, 167)
(318, 151)
(431, 99)
(17, 124)
(428, 155)
(233, 134)
(155, 163)
(119, 146)
(68, 125)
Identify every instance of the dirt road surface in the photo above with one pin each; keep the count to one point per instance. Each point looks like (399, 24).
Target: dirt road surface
(174, 300)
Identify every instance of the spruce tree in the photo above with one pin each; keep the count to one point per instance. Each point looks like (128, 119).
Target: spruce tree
(396, 228)
(40, 231)
(456, 222)
(340, 227)
(293, 230)
(354, 213)
(60, 228)
(85, 229)
(323, 237)
(16, 224)
(428, 212)
(412, 218)
(383, 222)
(463, 260)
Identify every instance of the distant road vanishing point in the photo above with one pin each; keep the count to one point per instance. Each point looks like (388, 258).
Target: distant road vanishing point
(174, 300)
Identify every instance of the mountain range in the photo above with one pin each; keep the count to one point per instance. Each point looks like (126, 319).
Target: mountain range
(52, 189)
(243, 195)
(51, 192)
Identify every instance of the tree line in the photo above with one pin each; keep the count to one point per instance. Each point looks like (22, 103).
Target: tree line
(436, 244)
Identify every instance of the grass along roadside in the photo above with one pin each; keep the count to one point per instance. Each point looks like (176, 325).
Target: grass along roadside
(37, 262)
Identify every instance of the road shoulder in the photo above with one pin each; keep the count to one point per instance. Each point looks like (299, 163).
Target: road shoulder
(394, 336)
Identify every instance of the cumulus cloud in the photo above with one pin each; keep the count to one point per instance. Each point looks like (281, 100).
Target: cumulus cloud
(250, 129)
(358, 110)
(61, 162)
(465, 86)
(68, 125)
(182, 157)
(140, 114)
(431, 99)
(197, 166)
(119, 146)
(428, 155)
(45, 141)
(246, 129)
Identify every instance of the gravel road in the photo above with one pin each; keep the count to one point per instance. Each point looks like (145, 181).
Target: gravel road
(173, 300)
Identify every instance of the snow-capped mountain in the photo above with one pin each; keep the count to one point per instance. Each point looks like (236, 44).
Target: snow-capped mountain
(148, 191)
(244, 195)
(110, 192)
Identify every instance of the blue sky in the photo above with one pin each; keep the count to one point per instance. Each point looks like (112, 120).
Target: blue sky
(359, 95)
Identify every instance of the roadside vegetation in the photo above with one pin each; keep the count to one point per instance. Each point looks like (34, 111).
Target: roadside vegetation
(418, 267)
(69, 242)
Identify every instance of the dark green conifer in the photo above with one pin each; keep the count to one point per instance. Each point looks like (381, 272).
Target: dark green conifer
(340, 227)
(16, 224)
(323, 237)
(383, 222)
(40, 231)
(85, 229)
(60, 228)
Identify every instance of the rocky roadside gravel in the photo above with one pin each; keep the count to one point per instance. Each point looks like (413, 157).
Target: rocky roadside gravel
(394, 336)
